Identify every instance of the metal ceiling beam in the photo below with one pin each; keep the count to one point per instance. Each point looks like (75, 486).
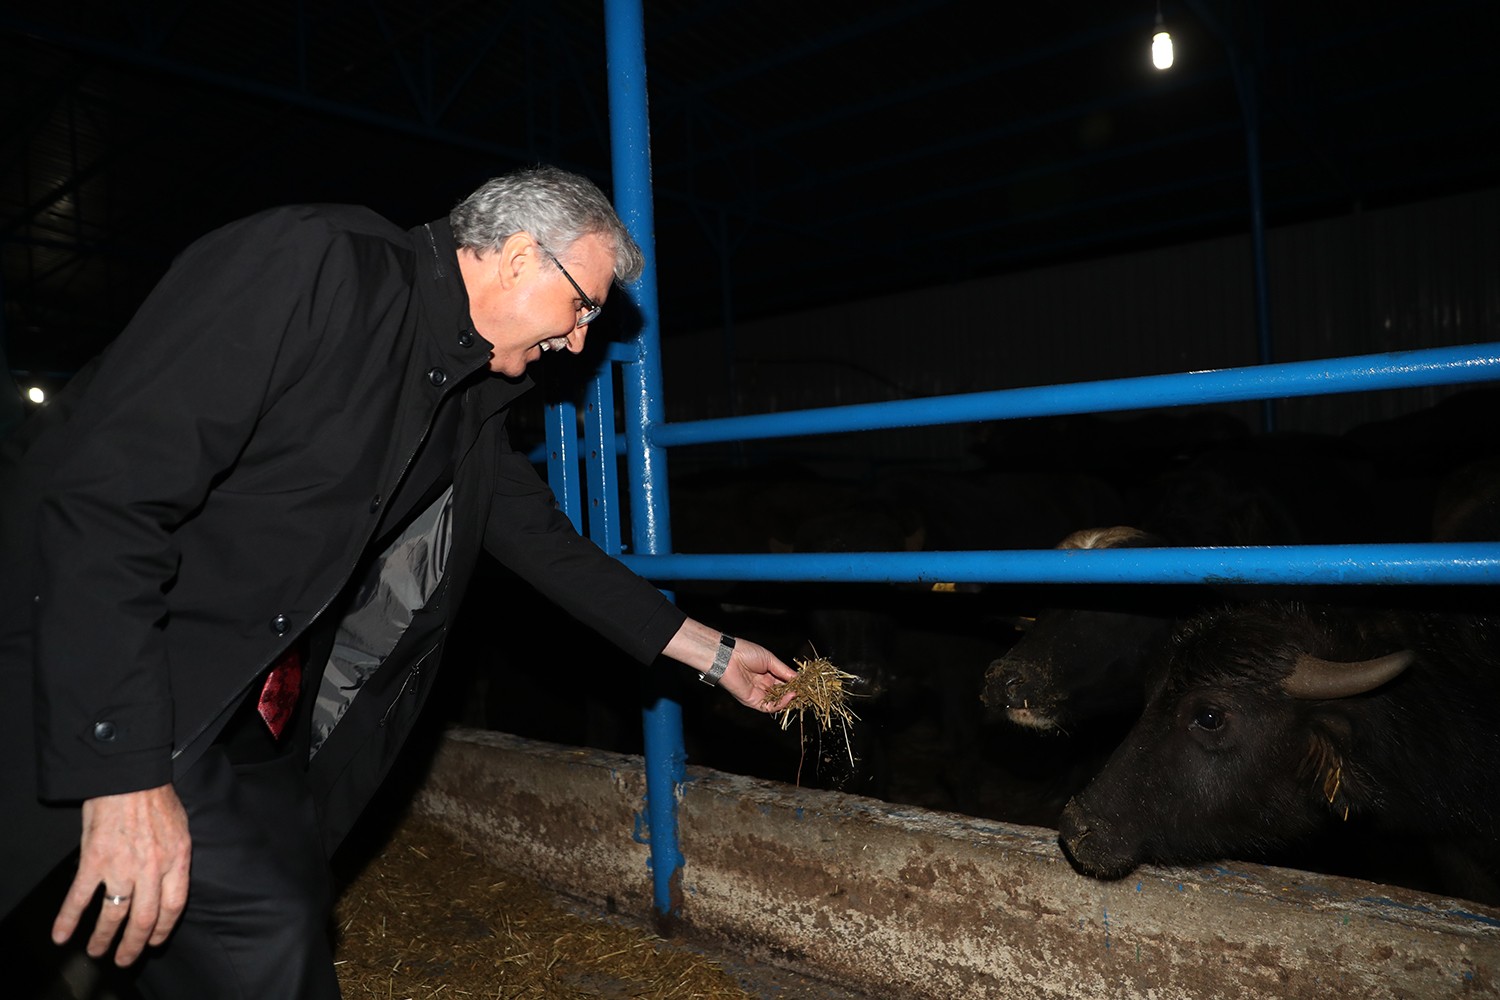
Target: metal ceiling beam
(259, 88)
(955, 82)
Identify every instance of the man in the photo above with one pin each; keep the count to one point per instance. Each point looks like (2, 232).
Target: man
(290, 457)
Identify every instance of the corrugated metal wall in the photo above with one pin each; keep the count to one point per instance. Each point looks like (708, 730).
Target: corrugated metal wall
(1423, 275)
(1419, 276)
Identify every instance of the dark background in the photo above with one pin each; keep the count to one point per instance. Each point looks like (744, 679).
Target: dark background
(803, 153)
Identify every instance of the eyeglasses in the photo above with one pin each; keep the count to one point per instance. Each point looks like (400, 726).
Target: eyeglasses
(591, 308)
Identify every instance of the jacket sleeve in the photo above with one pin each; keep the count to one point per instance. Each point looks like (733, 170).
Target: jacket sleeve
(529, 534)
(172, 404)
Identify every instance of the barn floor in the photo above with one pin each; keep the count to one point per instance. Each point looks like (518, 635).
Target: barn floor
(428, 917)
(425, 917)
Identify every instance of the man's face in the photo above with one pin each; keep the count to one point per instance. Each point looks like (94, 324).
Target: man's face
(521, 302)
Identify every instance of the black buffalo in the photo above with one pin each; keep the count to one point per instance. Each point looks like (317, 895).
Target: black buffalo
(1073, 683)
(1280, 732)
(1078, 665)
(1085, 665)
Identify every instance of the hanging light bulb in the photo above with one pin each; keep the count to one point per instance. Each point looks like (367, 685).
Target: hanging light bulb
(1161, 48)
(1161, 44)
(36, 394)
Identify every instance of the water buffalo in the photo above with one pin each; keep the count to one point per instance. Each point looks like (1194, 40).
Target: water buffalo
(1078, 665)
(1084, 665)
(1073, 683)
(1278, 729)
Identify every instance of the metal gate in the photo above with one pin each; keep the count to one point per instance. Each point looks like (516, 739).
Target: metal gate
(589, 467)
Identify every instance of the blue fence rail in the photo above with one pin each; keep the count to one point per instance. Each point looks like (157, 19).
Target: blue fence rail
(647, 436)
(1377, 563)
(1385, 563)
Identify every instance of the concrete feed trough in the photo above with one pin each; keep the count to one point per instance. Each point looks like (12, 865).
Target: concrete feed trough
(916, 904)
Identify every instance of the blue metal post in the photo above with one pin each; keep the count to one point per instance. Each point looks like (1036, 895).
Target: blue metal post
(601, 461)
(561, 421)
(624, 32)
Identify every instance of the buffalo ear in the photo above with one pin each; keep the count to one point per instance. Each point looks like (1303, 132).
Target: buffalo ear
(1118, 537)
(1326, 766)
(1315, 678)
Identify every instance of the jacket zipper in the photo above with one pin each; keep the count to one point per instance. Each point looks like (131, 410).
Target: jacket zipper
(406, 682)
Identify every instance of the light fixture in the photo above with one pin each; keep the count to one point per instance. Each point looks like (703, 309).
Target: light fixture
(36, 394)
(1161, 44)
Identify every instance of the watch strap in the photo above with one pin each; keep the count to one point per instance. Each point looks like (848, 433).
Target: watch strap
(715, 673)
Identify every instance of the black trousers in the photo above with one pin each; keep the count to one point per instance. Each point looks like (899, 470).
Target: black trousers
(257, 919)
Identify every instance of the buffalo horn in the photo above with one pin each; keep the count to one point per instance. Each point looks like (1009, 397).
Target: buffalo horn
(1315, 678)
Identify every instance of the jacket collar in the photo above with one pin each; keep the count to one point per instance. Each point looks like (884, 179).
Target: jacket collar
(446, 304)
(450, 329)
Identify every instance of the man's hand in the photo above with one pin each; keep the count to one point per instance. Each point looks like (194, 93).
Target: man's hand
(753, 670)
(137, 845)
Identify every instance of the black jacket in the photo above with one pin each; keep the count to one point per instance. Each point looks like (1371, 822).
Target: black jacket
(205, 490)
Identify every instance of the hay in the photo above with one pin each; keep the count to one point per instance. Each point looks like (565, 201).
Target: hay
(818, 688)
(428, 918)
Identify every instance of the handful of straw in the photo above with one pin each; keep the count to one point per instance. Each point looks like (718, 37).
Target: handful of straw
(819, 688)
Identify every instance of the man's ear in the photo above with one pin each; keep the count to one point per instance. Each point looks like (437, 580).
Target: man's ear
(517, 256)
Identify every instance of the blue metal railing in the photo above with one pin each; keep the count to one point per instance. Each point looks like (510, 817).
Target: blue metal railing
(1378, 563)
(647, 435)
(1383, 563)
(1404, 370)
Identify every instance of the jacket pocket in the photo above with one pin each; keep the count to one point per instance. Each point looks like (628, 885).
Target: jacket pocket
(411, 693)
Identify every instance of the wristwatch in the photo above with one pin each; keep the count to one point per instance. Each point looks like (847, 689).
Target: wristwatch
(715, 673)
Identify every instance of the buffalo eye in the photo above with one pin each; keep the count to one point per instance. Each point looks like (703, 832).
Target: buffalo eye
(1208, 719)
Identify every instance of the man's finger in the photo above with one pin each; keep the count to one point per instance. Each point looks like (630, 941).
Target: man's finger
(73, 904)
(112, 913)
(139, 928)
(780, 703)
(174, 893)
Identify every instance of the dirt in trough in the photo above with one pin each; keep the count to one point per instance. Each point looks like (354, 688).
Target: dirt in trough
(427, 918)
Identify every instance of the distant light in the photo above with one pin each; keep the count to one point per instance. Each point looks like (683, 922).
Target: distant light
(36, 394)
(1161, 48)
